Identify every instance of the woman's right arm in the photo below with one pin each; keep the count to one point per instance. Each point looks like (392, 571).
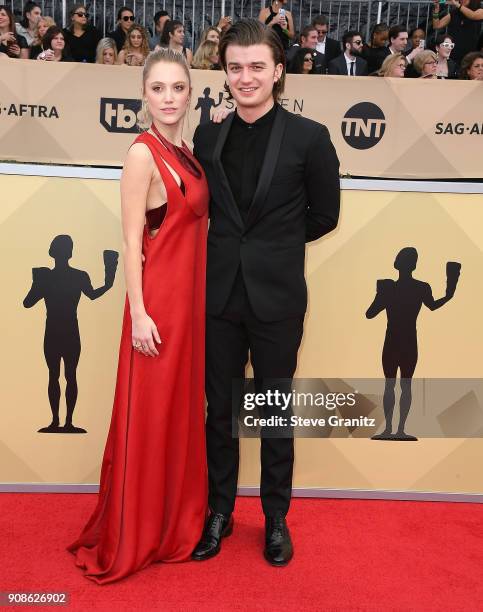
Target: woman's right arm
(136, 179)
(439, 24)
(121, 58)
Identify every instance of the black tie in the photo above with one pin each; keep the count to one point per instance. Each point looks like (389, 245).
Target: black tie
(352, 68)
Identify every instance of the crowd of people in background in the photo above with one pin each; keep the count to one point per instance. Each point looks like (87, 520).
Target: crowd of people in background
(455, 50)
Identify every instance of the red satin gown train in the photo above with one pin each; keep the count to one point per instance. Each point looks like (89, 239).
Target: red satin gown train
(153, 489)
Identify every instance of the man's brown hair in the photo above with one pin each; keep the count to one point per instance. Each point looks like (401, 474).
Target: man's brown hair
(248, 32)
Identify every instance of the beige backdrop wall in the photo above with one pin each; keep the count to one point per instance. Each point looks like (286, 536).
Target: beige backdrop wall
(85, 114)
(339, 342)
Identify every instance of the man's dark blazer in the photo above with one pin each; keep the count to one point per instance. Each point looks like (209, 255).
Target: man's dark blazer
(296, 201)
(339, 66)
(332, 49)
(320, 62)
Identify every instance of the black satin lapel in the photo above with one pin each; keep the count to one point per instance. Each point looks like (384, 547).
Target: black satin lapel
(269, 163)
(224, 183)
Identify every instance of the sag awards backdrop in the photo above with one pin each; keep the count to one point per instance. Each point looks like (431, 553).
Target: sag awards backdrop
(86, 114)
(44, 220)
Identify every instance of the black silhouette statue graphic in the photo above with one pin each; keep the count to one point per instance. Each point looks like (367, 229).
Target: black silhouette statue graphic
(402, 300)
(206, 103)
(61, 288)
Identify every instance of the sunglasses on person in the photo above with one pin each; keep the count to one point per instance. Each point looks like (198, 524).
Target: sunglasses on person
(447, 45)
(308, 59)
(357, 42)
(128, 18)
(86, 15)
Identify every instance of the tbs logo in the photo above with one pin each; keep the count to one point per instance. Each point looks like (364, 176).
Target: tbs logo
(120, 115)
(363, 125)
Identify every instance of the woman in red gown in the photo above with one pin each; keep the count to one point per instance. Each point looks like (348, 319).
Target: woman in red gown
(153, 490)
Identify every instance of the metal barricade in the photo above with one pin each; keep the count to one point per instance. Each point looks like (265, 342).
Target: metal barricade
(198, 14)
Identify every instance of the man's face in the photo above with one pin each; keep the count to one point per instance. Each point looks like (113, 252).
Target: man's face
(355, 47)
(321, 32)
(251, 73)
(400, 42)
(310, 42)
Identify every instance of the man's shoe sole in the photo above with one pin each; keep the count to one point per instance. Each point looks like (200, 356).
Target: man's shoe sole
(277, 563)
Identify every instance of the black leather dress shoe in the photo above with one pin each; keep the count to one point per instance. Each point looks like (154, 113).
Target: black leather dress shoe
(278, 545)
(217, 526)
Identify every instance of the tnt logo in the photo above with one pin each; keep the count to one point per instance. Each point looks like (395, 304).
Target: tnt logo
(120, 115)
(363, 125)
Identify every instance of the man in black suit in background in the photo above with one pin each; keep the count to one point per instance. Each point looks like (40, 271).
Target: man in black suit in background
(274, 184)
(350, 63)
(329, 47)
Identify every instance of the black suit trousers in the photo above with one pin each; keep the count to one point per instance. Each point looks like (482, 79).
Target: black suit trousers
(273, 348)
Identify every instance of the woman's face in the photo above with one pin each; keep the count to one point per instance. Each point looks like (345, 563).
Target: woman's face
(178, 36)
(42, 27)
(417, 37)
(108, 56)
(34, 15)
(213, 36)
(58, 42)
(136, 39)
(167, 92)
(398, 69)
(80, 16)
(430, 67)
(445, 48)
(3, 19)
(475, 71)
(308, 63)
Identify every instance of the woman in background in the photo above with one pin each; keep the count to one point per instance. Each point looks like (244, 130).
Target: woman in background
(393, 66)
(206, 56)
(447, 68)
(30, 18)
(43, 25)
(302, 62)
(11, 44)
(472, 66)
(106, 52)
(54, 46)
(136, 47)
(81, 38)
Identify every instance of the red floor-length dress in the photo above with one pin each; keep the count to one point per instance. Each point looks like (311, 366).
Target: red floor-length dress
(153, 488)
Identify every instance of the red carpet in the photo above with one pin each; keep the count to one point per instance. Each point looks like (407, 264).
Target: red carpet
(349, 555)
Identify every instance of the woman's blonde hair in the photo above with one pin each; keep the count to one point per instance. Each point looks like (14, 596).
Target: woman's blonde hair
(167, 56)
(145, 44)
(389, 63)
(205, 51)
(422, 58)
(206, 31)
(49, 23)
(103, 44)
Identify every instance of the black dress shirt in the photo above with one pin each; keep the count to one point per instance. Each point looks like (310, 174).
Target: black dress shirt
(242, 160)
(243, 156)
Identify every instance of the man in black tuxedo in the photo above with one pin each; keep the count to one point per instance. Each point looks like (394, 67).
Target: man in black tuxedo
(350, 63)
(308, 40)
(329, 47)
(274, 183)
